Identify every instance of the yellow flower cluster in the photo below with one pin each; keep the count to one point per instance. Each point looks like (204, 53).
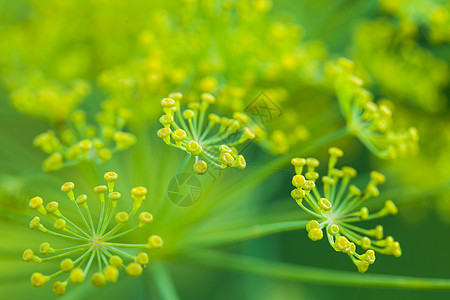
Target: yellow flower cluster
(279, 58)
(210, 137)
(93, 242)
(79, 141)
(339, 206)
(434, 15)
(37, 96)
(371, 122)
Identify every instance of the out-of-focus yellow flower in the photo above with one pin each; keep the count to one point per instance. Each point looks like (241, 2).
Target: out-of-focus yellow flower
(83, 142)
(371, 122)
(40, 97)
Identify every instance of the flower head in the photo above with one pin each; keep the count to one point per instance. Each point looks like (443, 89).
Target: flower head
(92, 240)
(371, 122)
(210, 137)
(37, 96)
(82, 142)
(435, 17)
(339, 206)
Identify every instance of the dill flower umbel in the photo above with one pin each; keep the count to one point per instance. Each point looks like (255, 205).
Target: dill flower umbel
(215, 139)
(37, 96)
(339, 206)
(371, 122)
(93, 238)
(413, 14)
(80, 141)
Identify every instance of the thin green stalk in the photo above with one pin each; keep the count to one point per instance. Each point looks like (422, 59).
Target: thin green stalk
(272, 269)
(163, 281)
(166, 211)
(236, 235)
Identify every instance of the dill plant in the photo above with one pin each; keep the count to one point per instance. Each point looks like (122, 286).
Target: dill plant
(177, 99)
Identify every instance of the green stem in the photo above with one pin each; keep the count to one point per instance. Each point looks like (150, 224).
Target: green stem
(242, 234)
(163, 281)
(262, 267)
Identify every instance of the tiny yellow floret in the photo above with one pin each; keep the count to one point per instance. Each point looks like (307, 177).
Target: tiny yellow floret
(98, 280)
(134, 270)
(67, 265)
(111, 274)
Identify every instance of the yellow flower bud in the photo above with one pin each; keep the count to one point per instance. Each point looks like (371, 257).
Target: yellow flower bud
(167, 102)
(312, 162)
(67, 187)
(369, 256)
(333, 229)
(35, 222)
(390, 207)
(324, 204)
(155, 242)
(298, 181)
(122, 217)
(176, 96)
(364, 213)
(188, 114)
(179, 135)
(200, 167)
(28, 255)
(115, 261)
(298, 194)
(38, 280)
(77, 276)
(52, 207)
(145, 218)
(98, 280)
(224, 149)
(114, 196)
(362, 266)
(308, 185)
(396, 250)
(100, 189)
(111, 176)
(311, 225)
(124, 140)
(377, 177)
(81, 199)
(354, 190)
(60, 224)
(36, 202)
(350, 172)
(365, 242)
(226, 159)
(166, 120)
(111, 274)
(67, 265)
(313, 176)
(142, 259)
(134, 270)
(59, 288)
(208, 98)
(298, 162)
(315, 234)
(334, 151)
(194, 148)
(240, 162)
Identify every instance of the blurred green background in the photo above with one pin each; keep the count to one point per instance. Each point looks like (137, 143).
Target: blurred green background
(403, 51)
